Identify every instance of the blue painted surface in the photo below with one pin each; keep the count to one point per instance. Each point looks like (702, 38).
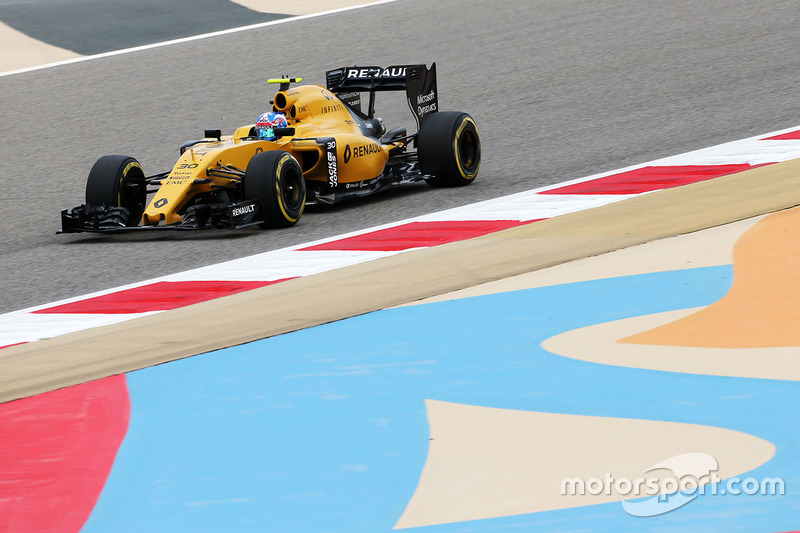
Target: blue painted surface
(325, 429)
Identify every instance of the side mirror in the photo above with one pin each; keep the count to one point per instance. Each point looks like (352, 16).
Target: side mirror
(213, 134)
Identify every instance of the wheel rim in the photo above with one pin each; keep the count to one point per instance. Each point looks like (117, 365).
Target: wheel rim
(291, 188)
(468, 150)
(131, 195)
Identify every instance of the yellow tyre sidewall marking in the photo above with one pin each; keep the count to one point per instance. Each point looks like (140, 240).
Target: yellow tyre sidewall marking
(455, 147)
(127, 169)
(278, 183)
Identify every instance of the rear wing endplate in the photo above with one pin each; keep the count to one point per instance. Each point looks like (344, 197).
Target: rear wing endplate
(418, 81)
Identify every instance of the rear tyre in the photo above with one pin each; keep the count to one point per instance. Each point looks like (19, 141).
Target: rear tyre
(118, 181)
(449, 149)
(276, 179)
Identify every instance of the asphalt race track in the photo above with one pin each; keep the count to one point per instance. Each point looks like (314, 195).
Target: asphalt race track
(559, 90)
(94, 27)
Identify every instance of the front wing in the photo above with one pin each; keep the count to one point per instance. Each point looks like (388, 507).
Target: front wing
(104, 219)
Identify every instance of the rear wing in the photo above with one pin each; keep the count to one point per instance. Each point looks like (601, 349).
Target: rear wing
(418, 81)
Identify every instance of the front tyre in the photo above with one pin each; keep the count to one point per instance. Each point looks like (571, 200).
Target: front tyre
(118, 181)
(276, 179)
(449, 149)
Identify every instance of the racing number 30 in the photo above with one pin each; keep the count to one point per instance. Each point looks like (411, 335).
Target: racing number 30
(333, 171)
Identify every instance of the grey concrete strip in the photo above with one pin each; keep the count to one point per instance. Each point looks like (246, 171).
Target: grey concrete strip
(78, 357)
(21, 51)
(96, 26)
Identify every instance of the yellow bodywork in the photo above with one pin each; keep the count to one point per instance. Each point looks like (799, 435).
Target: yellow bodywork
(314, 112)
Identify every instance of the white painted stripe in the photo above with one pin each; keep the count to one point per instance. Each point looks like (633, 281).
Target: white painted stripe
(280, 264)
(750, 152)
(529, 207)
(26, 327)
(192, 38)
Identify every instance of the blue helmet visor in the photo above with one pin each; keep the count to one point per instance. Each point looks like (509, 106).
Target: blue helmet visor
(265, 134)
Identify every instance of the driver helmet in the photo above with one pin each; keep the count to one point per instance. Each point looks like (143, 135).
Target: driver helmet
(266, 124)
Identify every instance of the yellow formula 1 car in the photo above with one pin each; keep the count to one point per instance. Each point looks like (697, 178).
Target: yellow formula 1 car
(317, 145)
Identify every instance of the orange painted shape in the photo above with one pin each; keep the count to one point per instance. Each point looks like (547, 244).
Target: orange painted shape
(762, 308)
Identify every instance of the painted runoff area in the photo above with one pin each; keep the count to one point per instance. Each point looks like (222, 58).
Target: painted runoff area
(357, 425)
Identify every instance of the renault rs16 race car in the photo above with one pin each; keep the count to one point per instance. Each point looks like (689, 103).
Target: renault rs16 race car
(317, 145)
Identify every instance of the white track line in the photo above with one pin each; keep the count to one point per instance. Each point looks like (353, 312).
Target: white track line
(192, 38)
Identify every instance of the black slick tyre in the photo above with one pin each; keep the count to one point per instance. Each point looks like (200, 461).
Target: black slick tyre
(118, 181)
(276, 179)
(449, 149)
